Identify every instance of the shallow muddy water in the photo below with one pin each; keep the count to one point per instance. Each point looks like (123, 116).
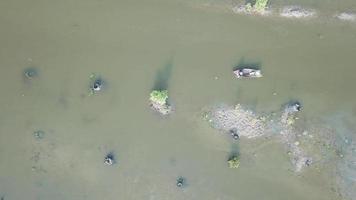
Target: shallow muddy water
(190, 48)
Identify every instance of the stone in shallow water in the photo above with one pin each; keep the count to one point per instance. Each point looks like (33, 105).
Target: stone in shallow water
(242, 121)
(163, 109)
(297, 12)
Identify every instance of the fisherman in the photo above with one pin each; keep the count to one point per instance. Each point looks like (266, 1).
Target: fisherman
(109, 159)
(30, 73)
(180, 182)
(234, 134)
(97, 85)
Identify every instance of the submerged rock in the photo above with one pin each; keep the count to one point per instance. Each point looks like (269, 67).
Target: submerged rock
(346, 16)
(297, 12)
(244, 122)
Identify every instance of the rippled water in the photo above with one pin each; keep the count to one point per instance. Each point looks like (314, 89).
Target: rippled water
(190, 47)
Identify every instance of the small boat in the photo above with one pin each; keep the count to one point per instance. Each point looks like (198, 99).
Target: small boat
(248, 73)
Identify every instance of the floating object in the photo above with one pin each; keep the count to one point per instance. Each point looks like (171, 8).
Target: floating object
(109, 159)
(248, 73)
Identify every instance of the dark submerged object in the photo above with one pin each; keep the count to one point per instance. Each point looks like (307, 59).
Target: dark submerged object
(30, 73)
(247, 73)
(180, 182)
(109, 159)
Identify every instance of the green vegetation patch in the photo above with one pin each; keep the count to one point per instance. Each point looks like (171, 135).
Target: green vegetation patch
(159, 96)
(260, 5)
(233, 162)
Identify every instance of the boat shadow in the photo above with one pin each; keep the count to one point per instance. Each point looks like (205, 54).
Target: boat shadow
(247, 64)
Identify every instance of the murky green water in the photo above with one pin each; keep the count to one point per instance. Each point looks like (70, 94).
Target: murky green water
(197, 43)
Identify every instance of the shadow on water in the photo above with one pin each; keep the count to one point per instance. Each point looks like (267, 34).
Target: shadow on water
(163, 76)
(235, 150)
(247, 64)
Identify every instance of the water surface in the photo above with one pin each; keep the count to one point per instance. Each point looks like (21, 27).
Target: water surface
(128, 43)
